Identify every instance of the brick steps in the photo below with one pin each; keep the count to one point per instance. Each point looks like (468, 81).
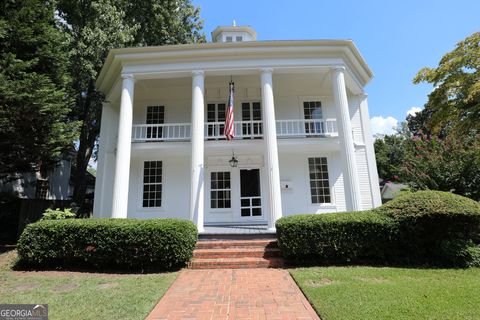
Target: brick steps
(235, 263)
(234, 254)
(237, 253)
(227, 244)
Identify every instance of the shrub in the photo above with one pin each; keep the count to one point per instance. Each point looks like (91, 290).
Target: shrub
(426, 227)
(58, 214)
(434, 226)
(156, 244)
(336, 237)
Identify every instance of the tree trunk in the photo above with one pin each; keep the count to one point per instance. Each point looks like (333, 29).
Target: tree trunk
(88, 135)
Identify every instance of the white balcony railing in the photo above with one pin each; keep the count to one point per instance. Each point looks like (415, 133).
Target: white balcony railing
(243, 130)
(306, 128)
(161, 132)
(296, 128)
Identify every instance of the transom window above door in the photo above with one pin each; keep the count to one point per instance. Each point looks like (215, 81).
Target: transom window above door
(216, 121)
(313, 114)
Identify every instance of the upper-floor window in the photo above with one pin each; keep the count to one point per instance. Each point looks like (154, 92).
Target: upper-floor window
(152, 184)
(238, 38)
(155, 115)
(319, 183)
(229, 39)
(312, 111)
(215, 120)
(252, 119)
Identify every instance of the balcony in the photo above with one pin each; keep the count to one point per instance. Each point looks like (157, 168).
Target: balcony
(296, 128)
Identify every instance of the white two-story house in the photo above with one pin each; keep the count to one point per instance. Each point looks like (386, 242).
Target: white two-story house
(302, 142)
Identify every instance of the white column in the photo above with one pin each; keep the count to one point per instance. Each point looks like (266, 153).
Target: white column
(104, 140)
(350, 176)
(124, 142)
(196, 194)
(370, 151)
(271, 149)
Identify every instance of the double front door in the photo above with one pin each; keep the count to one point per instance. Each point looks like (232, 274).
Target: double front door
(235, 195)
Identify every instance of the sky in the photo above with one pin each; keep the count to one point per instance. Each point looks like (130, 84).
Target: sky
(396, 38)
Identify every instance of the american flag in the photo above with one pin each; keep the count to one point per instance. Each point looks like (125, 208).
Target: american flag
(229, 129)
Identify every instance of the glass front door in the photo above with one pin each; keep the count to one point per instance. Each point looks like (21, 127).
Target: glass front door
(250, 196)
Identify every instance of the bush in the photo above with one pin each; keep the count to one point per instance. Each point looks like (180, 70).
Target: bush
(58, 214)
(426, 227)
(434, 226)
(156, 244)
(351, 237)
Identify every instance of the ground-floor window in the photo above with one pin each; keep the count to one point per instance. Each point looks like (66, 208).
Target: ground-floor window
(152, 184)
(319, 184)
(220, 190)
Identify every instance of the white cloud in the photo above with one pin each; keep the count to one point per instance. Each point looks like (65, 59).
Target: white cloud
(413, 110)
(381, 125)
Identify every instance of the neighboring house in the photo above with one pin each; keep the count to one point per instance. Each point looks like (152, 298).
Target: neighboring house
(303, 142)
(391, 190)
(29, 186)
(56, 186)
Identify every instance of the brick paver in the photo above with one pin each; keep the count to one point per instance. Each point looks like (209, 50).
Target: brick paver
(233, 294)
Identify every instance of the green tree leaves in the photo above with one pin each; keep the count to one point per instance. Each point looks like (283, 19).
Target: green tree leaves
(455, 101)
(34, 102)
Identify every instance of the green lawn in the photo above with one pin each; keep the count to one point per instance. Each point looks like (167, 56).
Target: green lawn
(341, 293)
(78, 295)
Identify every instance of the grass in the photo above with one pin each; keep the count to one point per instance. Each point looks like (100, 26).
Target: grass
(343, 293)
(77, 295)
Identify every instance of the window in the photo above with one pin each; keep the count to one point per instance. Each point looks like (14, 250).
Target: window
(252, 111)
(228, 39)
(216, 120)
(41, 190)
(312, 111)
(319, 185)
(220, 190)
(238, 38)
(152, 184)
(155, 115)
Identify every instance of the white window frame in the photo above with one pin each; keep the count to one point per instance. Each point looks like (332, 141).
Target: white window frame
(224, 189)
(308, 198)
(141, 167)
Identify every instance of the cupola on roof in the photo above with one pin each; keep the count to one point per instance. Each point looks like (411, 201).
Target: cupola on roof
(233, 33)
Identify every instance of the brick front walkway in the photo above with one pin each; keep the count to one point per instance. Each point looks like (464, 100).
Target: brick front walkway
(233, 294)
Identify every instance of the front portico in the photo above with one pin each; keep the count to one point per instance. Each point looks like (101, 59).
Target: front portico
(189, 144)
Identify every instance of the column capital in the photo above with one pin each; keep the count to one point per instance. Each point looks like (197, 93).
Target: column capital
(198, 73)
(128, 76)
(266, 70)
(338, 68)
(362, 96)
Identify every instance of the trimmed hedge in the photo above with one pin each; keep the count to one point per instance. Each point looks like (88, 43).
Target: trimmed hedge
(350, 237)
(155, 244)
(426, 227)
(435, 227)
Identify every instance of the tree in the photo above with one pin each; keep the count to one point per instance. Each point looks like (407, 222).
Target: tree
(454, 104)
(34, 100)
(451, 164)
(390, 153)
(96, 26)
